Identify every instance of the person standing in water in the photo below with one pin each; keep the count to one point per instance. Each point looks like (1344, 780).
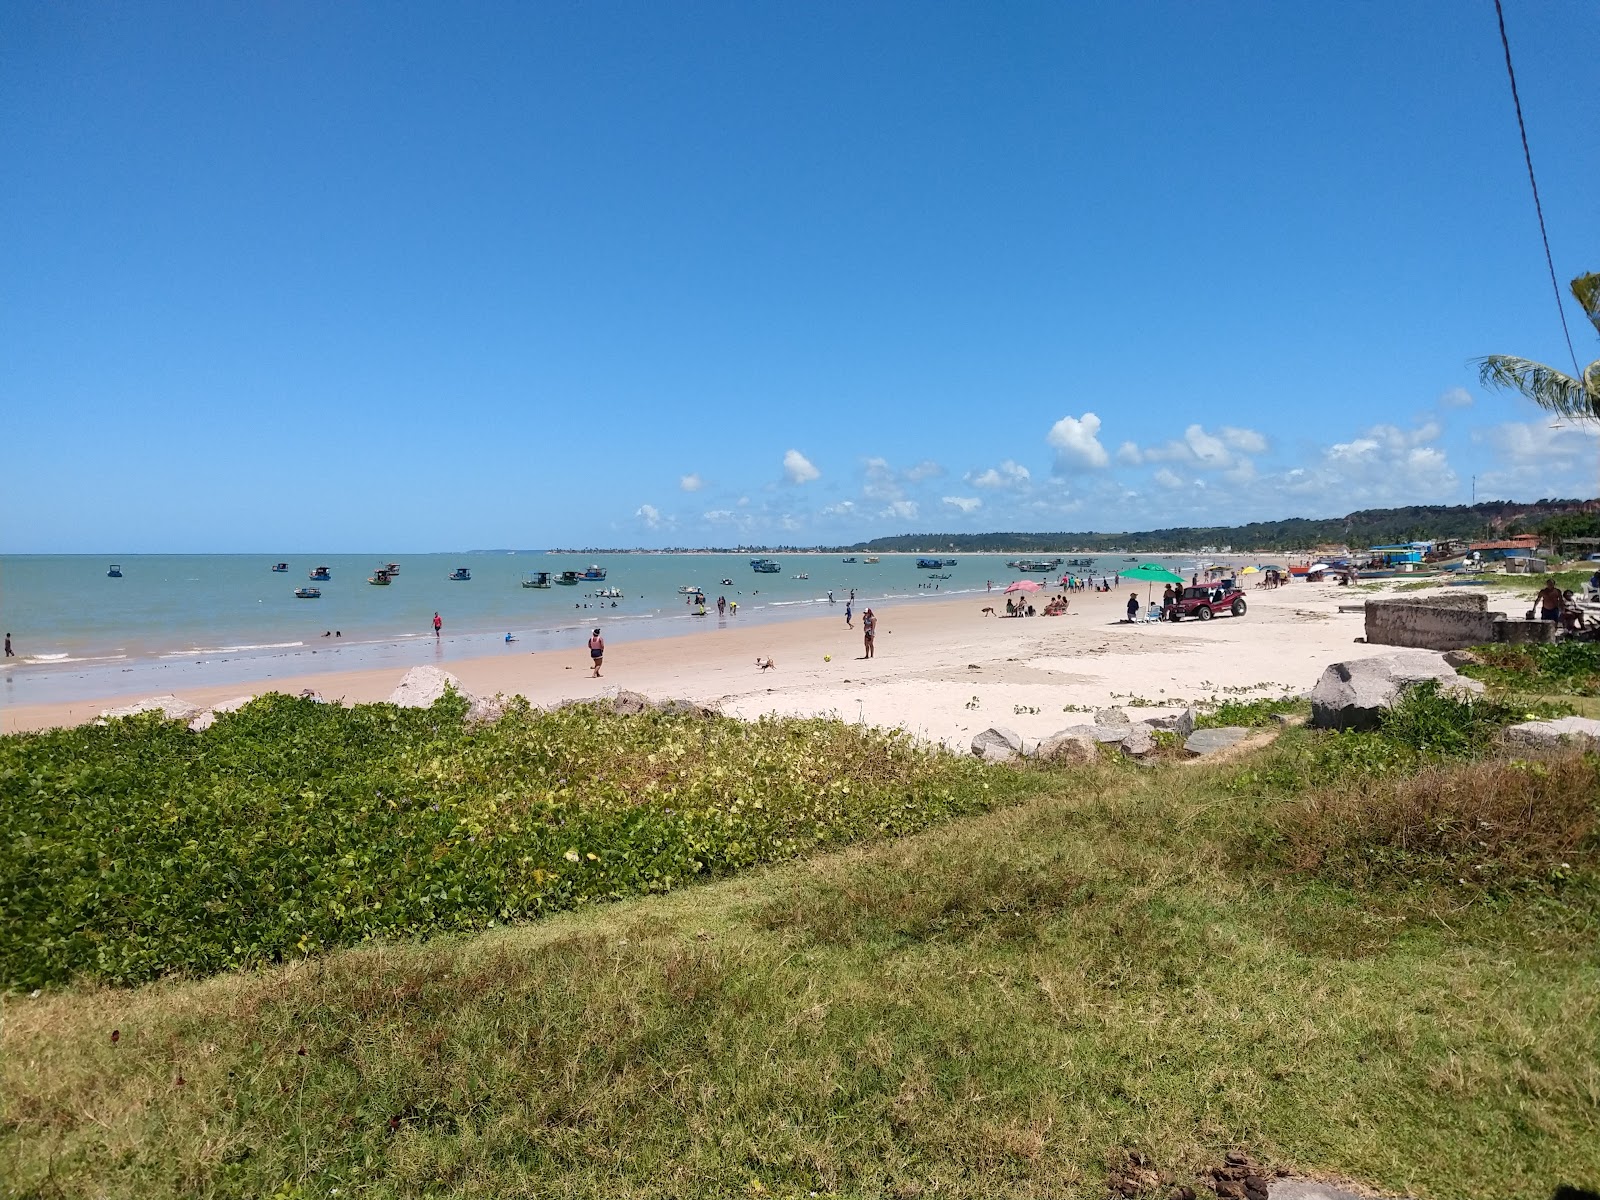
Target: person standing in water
(597, 652)
(438, 625)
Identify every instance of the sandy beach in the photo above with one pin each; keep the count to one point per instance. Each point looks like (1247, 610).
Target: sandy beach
(943, 670)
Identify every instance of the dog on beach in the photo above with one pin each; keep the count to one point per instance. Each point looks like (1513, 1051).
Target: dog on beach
(767, 665)
(988, 611)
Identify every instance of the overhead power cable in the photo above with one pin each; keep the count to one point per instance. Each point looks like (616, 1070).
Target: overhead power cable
(1527, 155)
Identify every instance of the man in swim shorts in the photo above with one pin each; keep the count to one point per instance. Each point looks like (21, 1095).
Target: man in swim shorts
(597, 652)
(1549, 599)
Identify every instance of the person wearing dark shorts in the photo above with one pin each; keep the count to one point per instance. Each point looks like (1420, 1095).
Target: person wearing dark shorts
(597, 651)
(1549, 599)
(869, 632)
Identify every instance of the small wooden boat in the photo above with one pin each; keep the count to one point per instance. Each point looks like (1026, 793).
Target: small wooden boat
(320, 575)
(460, 575)
(764, 566)
(280, 567)
(848, 560)
(379, 578)
(593, 574)
(393, 569)
(308, 593)
(567, 578)
(610, 593)
(114, 572)
(871, 559)
(536, 579)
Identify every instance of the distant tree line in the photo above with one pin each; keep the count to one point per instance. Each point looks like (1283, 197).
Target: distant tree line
(1367, 527)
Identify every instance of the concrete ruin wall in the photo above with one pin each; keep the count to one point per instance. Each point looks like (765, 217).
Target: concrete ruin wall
(1451, 622)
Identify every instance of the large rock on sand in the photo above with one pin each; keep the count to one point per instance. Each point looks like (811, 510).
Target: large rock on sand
(1069, 745)
(1181, 724)
(1357, 694)
(998, 744)
(208, 718)
(1582, 733)
(168, 706)
(421, 686)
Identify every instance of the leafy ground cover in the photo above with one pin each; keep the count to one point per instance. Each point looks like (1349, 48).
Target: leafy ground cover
(1166, 963)
(1566, 668)
(138, 849)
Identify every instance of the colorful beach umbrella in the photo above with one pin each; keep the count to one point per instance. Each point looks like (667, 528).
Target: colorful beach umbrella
(1250, 571)
(1023, 585)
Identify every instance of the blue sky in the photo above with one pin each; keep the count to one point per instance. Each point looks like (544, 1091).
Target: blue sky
(442, 276)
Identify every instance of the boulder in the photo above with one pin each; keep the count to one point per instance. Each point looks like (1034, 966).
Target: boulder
(1356, 694)
(169, 706)
(486, 710)
(1068, 746)
(205, 720)
(421, 686)
(631, 703)
(688, 708)
(1112, 716)
(998, 744)
(1208, 741)
(1461, 658)
(1580, 732)
(1181, 724)
(1139, 742)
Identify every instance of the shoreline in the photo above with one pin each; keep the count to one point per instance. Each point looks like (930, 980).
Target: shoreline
(943, 671)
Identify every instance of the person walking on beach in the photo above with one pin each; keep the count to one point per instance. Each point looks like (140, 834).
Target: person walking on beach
(8, 647)
(597, 652)
(848, 605)
(869, 630)
(438, 625)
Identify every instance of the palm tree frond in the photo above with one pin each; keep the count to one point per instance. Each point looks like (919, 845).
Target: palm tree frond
(1547, 387)
(1586, 291)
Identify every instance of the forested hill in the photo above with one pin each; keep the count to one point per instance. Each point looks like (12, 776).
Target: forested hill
(1368, 527)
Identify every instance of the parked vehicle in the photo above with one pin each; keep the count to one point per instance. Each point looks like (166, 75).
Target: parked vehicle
(1205, 602)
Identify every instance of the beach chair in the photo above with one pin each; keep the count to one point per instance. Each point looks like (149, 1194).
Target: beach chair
(1153, 613)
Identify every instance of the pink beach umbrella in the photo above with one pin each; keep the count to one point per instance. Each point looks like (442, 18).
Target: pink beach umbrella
(1023, 585)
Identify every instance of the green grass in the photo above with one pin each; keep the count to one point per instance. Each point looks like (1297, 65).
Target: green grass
(1565, 668)
(139, 849)
(1344, 954)
(1251, 713)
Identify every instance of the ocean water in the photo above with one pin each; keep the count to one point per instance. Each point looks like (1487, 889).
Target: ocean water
(74, 630)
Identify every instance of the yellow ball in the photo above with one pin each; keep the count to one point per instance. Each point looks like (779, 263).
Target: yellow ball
(827, 658)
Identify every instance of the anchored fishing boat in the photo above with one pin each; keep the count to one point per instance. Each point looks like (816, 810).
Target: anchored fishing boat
(380, 577)
(567, 578)
(460, 575)
(594, 574)
(114, 571)
(321, 575)
(280, 567)
(536, 579)
(764, 566)
(308, 593)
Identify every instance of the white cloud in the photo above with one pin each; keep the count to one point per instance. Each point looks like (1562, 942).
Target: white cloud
(1008, 474)
(798, 469)
(965, 503)
(901, 510)
(1539, 459)
(1168, 478)
(926, 469)
(1128, 454)
(649, 514)
(1076, 442)
(1383, 465)
(1246, 441)
(1456, 397)
(881, 483)
(844, 508)
(718, 515)
(691, 482)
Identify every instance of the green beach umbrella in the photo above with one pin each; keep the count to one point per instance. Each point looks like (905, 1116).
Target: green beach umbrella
(1151, 573)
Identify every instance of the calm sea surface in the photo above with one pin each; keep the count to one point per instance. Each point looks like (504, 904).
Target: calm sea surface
(78, 633)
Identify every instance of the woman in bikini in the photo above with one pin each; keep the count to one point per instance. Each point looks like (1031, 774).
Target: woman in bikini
(597, 651)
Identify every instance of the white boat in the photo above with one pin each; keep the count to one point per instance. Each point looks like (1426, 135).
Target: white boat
(870, 559)
(803, 575)
(689, 589)
(308, 593)
(609, 593)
